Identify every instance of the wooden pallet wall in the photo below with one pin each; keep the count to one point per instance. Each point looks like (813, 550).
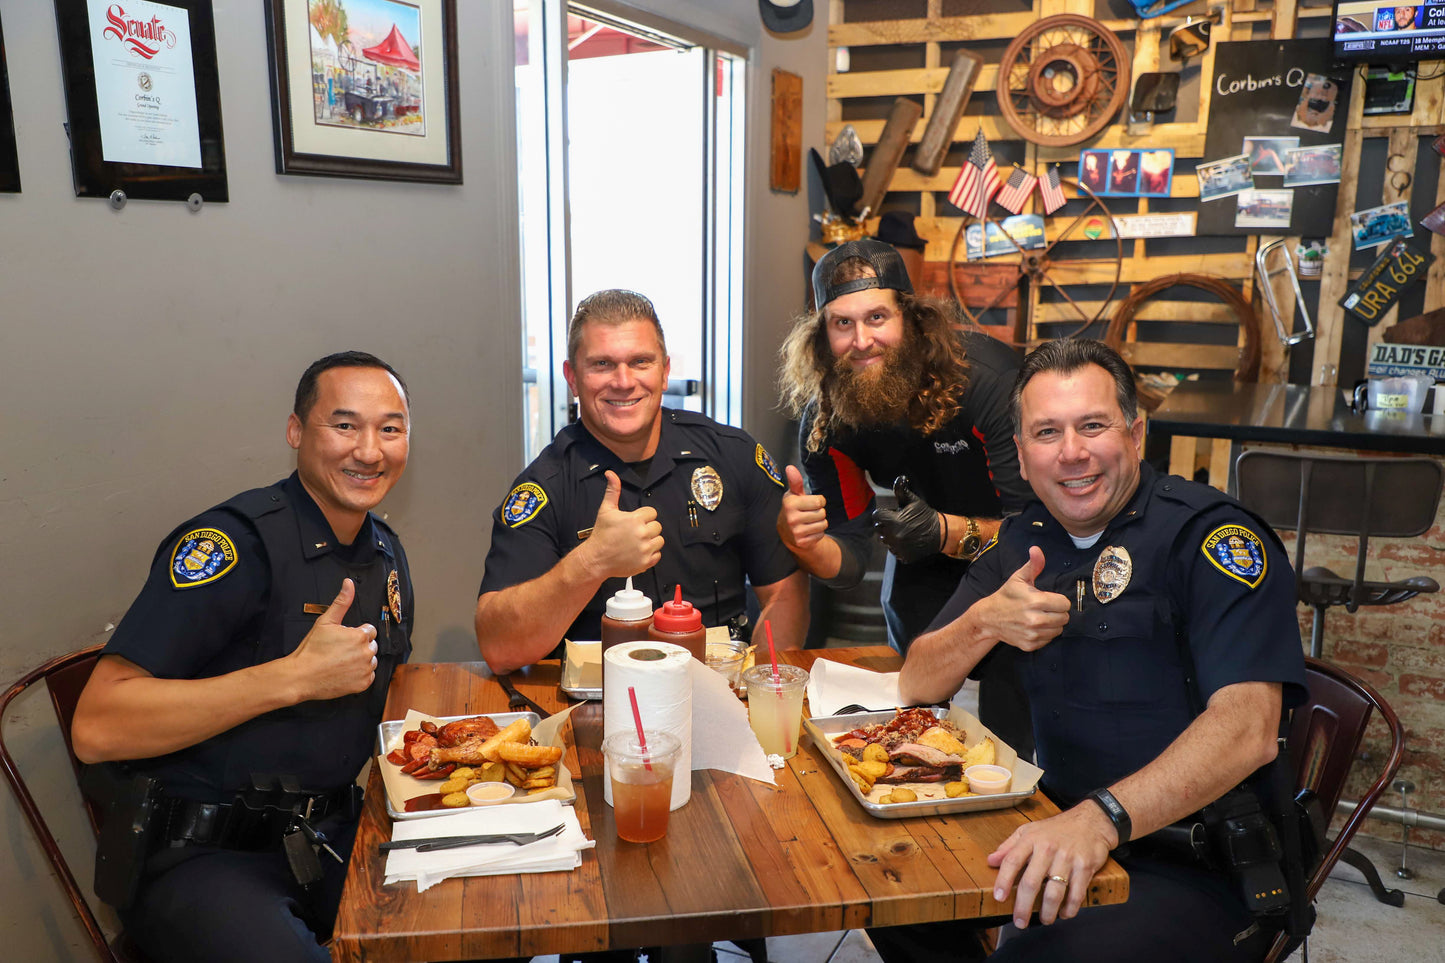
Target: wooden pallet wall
(989, 34)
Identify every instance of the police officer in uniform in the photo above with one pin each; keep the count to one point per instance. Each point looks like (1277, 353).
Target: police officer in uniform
(247, 680)
(635, 489)
(886, 386)
(1156, 621)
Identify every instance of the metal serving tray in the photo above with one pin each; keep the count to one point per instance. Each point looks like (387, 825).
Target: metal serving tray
(824, 729)
(393, 728)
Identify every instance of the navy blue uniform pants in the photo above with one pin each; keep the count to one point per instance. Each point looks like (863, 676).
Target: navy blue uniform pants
(221, 905)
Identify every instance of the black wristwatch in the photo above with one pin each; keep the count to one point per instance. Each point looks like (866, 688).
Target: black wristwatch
(1116, 813)
(970, 543)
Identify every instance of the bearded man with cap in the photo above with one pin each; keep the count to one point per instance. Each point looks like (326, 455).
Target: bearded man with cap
(886, 384)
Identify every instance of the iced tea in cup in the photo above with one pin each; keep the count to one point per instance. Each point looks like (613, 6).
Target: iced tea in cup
(775, 708)
(641, 782)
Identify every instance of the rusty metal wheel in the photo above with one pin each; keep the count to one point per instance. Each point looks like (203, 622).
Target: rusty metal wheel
(1063, 80)
(1042, 269)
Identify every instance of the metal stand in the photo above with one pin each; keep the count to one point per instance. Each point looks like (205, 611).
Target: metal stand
(1390, 897)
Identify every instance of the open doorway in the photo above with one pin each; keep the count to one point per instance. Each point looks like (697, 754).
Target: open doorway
(630, 153)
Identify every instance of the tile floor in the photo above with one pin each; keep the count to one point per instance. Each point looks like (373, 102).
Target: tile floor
(1352, 926)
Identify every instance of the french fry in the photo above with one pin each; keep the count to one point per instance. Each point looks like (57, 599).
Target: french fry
(539, 782)
(528, 756)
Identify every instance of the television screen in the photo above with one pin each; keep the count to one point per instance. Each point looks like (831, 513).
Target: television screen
(1388, 34)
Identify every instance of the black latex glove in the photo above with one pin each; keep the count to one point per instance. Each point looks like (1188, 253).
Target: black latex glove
(912, 532)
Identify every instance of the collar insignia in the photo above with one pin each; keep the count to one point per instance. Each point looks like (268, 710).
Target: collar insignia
(1112, 573)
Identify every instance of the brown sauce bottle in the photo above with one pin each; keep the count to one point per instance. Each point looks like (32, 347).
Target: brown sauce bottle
(627, 618)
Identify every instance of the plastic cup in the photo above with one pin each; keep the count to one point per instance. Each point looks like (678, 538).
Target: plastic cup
(775, 709)
(641, 782)
(727, 658)
(986, 779)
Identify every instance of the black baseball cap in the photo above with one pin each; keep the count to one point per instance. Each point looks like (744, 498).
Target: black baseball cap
(786, 16)
(888, 269)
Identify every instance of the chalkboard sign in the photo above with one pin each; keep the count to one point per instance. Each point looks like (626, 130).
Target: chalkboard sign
(1272, 101)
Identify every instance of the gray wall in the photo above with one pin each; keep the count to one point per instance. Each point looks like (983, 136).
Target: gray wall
(147, 359)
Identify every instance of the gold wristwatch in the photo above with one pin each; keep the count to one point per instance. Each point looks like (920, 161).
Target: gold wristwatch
(969, 543)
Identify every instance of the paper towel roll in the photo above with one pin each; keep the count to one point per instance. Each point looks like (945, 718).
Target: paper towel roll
(658, 671)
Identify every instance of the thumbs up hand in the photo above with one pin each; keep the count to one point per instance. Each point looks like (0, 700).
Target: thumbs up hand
(623, 543)
(803, 519)
(1023, 615)
(334, 659)
(913, 530)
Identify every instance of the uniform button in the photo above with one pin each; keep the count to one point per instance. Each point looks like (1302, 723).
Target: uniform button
(1168, 488)
(647, 494)
(1055, 713)
(1067, 564)
(716, 537)
(1103, 626)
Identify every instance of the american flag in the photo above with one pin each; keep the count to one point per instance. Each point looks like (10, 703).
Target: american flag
(978, 181)
(1051, 190)
(1016, 192)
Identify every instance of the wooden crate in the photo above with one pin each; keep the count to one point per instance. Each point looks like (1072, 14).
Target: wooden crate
(988, 34)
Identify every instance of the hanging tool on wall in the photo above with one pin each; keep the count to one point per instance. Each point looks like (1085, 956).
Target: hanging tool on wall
(947, 109)
(897, 132)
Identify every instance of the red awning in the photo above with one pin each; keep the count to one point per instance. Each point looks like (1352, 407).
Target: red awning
(394, 51)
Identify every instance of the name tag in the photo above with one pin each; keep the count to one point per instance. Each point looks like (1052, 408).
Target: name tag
(315, 608)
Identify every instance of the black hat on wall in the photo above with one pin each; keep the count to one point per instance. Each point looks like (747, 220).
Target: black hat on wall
(786, 16)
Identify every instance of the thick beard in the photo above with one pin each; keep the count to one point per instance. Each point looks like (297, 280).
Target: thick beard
(879, 394)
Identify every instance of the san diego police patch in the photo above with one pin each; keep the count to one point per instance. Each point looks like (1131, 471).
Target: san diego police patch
(1237, 552)
(523, 504)
(766, 463)
(202, 555)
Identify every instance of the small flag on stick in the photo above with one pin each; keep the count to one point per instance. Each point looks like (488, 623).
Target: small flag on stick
(1051, 190)
(978, 180)
(1016, 192)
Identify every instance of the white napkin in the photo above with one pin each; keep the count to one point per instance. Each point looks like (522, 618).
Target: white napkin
(721, 736)
(833, 685)
(556, 853)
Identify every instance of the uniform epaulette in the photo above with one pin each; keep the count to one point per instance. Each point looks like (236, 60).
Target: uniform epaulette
(258, 501)
(1190, 493)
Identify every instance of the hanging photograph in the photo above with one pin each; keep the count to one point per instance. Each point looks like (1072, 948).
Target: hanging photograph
(9, 160)
(1313, 165)
(1224, 178)
(366, 88)
(143, 95)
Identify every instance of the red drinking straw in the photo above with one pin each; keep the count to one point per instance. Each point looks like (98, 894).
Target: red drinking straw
(637, 718)
(773, 654)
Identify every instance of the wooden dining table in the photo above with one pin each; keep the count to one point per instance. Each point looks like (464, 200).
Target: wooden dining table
(740, 859)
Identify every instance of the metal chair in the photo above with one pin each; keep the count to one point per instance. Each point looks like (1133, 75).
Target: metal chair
(64, 677)
(1342, 495)
(1324, 737)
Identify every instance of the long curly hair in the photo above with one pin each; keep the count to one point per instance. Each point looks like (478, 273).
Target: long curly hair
(806, 377)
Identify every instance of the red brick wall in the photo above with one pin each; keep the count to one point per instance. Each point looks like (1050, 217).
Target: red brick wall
(1400, 650)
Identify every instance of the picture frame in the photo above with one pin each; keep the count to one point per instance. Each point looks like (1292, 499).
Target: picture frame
(1128, 172)
(380, 103)
(9, 157)
(159, 61)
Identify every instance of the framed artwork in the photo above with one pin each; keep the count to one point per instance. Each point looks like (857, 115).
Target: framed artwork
(366, 88)
(9, 160)
(144, 99)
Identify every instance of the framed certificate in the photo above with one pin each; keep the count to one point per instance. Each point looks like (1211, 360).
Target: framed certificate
(366, 88)
(9, 160)
(143, 95)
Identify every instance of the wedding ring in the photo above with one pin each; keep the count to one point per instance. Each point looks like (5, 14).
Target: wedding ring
(1059, 879)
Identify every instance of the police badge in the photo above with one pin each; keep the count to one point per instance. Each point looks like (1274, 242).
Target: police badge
(707, 487)
(393, 596)
(1112, 573)
(1237, 552)
(201, 556)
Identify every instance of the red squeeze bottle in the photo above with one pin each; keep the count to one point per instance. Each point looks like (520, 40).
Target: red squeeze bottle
(680, 623)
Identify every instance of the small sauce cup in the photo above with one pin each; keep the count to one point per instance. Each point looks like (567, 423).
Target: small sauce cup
(987, 780)
(489, 793)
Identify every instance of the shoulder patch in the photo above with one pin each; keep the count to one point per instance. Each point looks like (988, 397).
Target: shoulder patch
(201, 555)
(1237, 552)
(523, 504)
(769, 467)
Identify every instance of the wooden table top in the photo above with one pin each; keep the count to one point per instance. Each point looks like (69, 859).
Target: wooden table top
(741, 859)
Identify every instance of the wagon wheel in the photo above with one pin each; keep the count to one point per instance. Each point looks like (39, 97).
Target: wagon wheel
(1063, 80)
(1037, 265)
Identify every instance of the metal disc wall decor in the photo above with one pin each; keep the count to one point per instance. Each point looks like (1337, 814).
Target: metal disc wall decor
(1063, 80)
